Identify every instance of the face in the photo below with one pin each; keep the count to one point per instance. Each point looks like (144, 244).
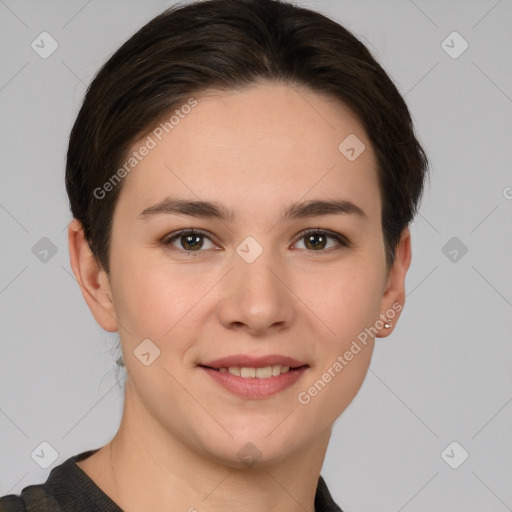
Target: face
(280, 262)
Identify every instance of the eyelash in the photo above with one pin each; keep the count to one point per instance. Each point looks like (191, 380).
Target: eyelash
(169, 239)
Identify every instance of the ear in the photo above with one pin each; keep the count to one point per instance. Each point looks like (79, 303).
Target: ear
(393, 298)
(93, 281)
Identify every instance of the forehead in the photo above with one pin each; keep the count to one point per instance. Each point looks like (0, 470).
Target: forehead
(274, 142)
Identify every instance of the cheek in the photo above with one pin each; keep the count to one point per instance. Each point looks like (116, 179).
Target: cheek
(332, 390)
(349, 307)
(150, 299)
(346, 297)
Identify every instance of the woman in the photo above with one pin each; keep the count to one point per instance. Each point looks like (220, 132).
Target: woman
(242, 175)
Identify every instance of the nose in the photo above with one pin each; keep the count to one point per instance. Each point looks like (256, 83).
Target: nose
(256, 298)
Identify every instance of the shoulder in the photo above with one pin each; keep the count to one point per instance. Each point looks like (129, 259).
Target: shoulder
(12, 503)
(64, 483)
(32, 497)
(323, 499)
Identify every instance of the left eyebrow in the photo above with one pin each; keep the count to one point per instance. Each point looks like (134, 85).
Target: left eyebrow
(208, 209)
(316, 208)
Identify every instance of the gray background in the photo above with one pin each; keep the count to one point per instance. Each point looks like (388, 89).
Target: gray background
(445, 373)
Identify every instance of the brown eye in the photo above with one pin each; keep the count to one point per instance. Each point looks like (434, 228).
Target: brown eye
(188, 241)
(321, 240)
(315, 241)
(191, 242)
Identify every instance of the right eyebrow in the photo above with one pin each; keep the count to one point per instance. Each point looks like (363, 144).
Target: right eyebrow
(206, 209)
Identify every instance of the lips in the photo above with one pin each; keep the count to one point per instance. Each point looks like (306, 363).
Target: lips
(253, 362)
(254, 388)
(253, 377)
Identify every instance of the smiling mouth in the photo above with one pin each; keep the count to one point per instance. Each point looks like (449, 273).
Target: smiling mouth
(248, 372)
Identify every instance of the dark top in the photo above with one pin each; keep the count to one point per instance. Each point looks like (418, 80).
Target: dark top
(69, 489)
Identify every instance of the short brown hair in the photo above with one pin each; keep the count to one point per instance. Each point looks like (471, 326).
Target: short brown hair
(230, 44)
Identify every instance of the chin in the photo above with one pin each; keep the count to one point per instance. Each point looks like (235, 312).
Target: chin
(254, 447)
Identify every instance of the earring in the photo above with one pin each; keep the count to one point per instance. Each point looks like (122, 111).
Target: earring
(387, 325)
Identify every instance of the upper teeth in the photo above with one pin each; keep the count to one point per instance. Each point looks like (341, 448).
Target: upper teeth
(260, 373)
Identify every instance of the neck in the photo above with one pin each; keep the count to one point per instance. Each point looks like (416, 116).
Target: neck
(159, 472)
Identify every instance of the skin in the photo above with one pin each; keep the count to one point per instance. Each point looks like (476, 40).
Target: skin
(254, 151)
